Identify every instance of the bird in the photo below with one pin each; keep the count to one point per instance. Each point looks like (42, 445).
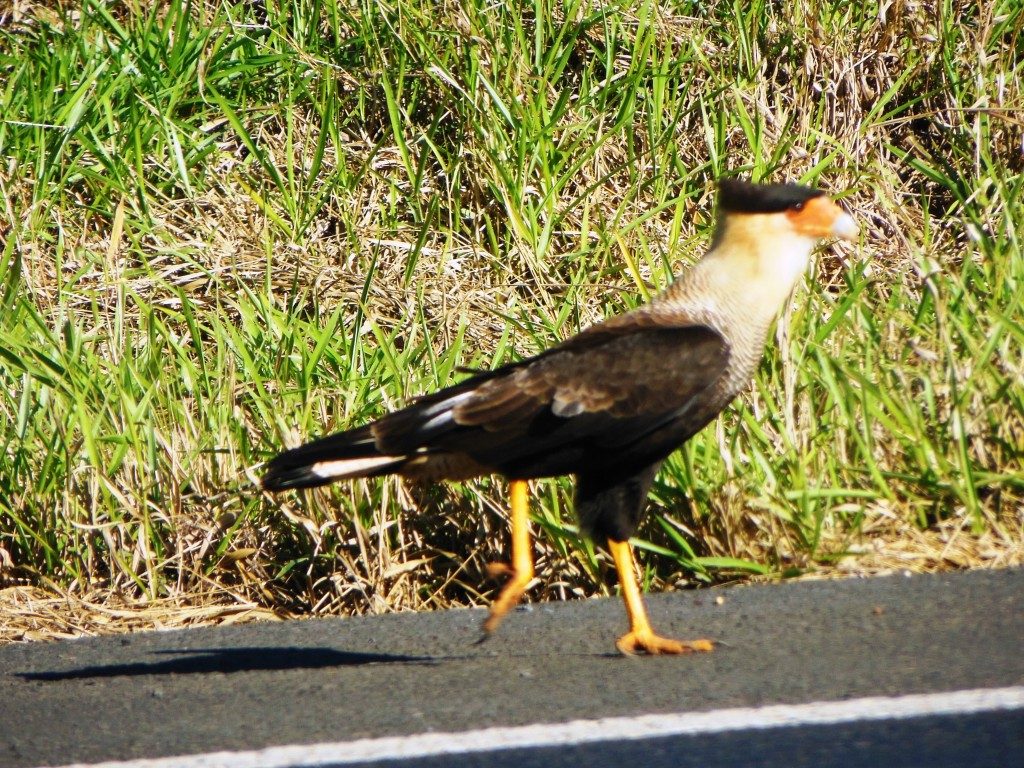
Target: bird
(607, 405)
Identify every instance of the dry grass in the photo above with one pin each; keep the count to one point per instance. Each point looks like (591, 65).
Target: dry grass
(228, 229)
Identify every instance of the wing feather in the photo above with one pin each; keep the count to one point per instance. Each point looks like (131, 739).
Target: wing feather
(625, 375)
(605, 390)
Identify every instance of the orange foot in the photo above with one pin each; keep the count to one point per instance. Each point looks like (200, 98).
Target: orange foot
(648, 642)
(510, 593)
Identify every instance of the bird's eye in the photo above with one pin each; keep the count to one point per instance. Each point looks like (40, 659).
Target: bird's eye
(797, 207)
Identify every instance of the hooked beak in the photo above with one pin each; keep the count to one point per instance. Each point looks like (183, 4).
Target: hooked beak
(844, 227)
(822, 217)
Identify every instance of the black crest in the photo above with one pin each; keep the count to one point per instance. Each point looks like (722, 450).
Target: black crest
(735, 196)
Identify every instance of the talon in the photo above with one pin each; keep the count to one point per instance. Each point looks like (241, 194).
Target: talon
(508, 598)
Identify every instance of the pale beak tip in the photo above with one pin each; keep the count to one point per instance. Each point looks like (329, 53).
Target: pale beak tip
(844, 227)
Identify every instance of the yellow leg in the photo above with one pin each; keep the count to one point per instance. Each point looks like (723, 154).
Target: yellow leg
(640, 636)
(521, 569)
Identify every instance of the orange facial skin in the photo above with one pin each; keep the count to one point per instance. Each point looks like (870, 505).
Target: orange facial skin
(816, 218)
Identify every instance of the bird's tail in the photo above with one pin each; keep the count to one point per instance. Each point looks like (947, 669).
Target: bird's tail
(336, 457)
(414, 434)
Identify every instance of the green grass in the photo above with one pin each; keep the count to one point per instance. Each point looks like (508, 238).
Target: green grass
(229, 226)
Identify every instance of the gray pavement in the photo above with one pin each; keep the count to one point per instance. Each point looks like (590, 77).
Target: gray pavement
(337, 680)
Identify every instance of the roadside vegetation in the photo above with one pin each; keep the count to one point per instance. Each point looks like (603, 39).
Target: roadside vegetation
(229, 226)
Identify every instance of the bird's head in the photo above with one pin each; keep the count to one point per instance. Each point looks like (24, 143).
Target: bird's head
(781, 208)
(765, 236)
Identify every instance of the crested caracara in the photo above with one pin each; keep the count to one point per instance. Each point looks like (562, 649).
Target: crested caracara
(607, 405)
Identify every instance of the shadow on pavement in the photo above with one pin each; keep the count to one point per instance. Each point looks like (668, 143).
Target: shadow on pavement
(228, 660)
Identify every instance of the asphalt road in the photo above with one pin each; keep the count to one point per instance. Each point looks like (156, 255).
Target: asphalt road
(790, 657)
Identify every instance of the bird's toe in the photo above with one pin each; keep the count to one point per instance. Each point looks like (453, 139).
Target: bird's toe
(643, 642)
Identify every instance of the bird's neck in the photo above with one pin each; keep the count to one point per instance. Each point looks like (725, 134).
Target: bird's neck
(752, 269)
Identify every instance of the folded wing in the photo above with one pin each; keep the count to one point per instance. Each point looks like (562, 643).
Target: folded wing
(597, 397)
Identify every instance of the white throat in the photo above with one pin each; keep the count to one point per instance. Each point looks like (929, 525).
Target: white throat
(756, 268)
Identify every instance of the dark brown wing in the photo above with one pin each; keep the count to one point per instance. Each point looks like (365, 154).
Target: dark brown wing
(597, 395)
(624, 375)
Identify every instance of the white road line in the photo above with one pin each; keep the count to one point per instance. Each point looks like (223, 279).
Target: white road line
(590, 731)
